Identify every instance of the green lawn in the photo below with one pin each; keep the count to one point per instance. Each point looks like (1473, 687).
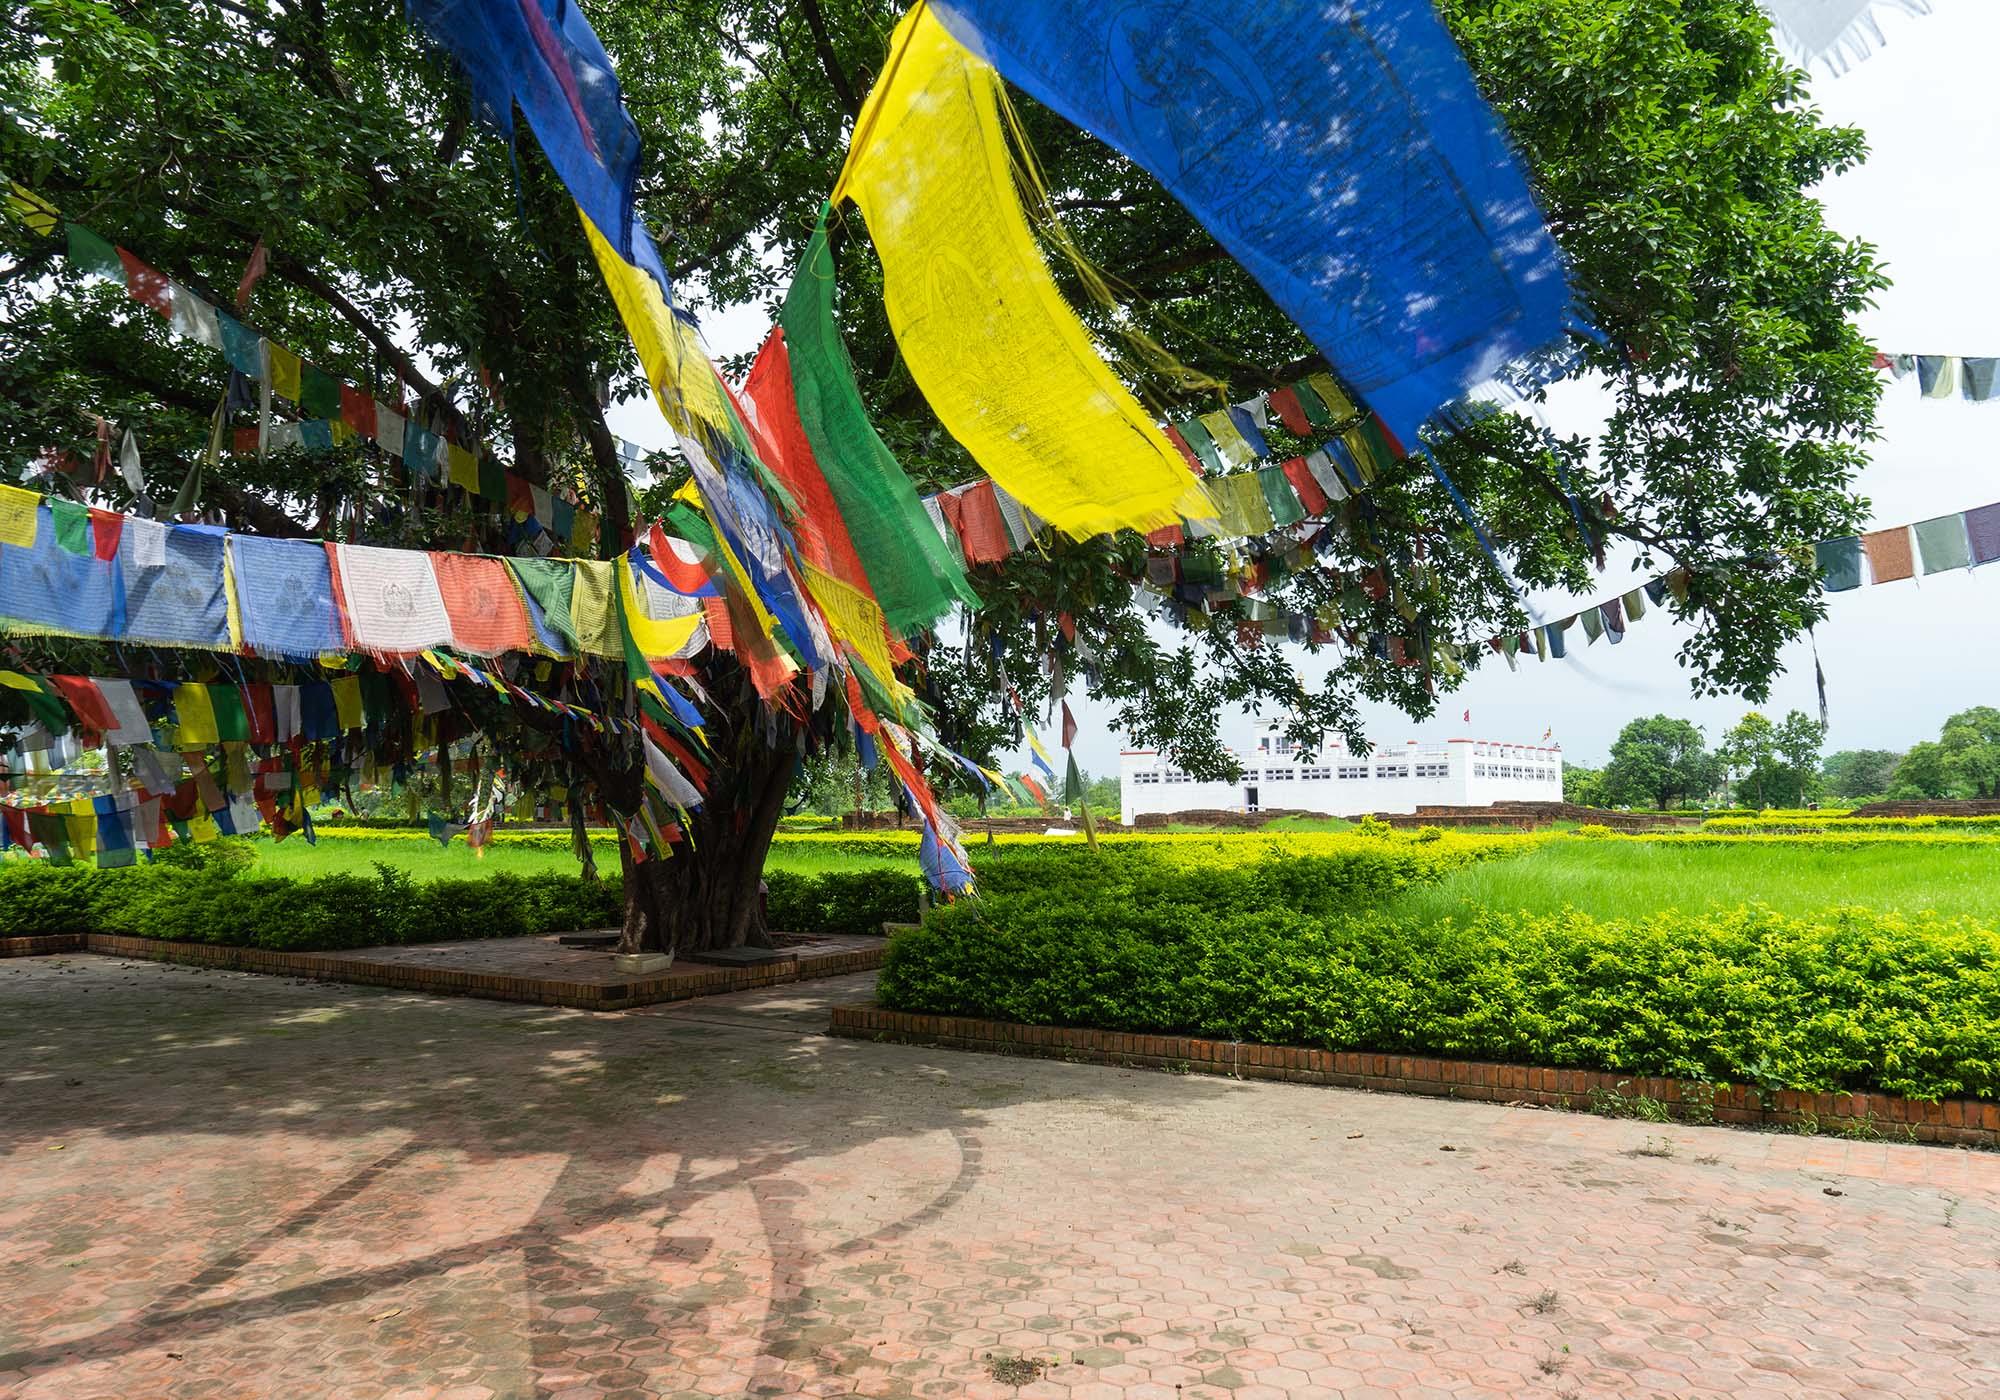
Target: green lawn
(1623, 879)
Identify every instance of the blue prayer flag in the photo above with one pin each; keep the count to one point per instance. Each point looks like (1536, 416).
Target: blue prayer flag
(543, 56)
(1339, 152)
(285, 594)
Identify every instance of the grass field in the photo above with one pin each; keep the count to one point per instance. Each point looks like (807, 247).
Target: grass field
(1622, 879)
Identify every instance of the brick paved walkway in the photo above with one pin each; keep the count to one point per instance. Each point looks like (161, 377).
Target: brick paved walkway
(223, 1185)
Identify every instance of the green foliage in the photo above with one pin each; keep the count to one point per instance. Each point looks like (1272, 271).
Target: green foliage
(1774, 765)
(1584, 787)
(846, 902)
(1848, 999)
(1774, 823)
(1660, 762)
(1857, 774)
(216, 904)
(1971, 742)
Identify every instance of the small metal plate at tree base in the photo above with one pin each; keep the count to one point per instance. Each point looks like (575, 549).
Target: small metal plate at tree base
(642, 963)
(741, 957)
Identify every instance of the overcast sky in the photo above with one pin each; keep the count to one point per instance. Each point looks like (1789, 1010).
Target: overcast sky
(1898, 658)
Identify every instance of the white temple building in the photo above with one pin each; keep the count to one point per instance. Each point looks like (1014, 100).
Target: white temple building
(1332, 781)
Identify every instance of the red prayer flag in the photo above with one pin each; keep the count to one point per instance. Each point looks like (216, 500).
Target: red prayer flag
(92, 711)
(1181, 444)
(780, 439)
(261, 708)
(520, 495)
(1292, 413)
(107, 527)
(1166, 537)
(1310, 496)
(357, 410)
(1068, 726)
(147, 285)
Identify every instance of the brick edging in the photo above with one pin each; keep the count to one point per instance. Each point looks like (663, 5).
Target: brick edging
(40, 945)
(1963, 1122)
(494, 986)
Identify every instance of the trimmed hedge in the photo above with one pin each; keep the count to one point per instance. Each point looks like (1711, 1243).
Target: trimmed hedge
(206, 894)
(1846, 999)
(1854, 999)
(851, 902)
(215, 904)
(1813, 824)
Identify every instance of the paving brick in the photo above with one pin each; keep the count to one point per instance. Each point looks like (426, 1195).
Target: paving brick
(229, 1184)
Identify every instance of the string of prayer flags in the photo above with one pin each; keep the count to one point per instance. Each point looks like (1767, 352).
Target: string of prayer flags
(334, 412)
(1004, 362)
(1971, 377)
(1289, 131)
(1964, 540)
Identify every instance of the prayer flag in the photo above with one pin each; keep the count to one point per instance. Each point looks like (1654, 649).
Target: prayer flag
(1341, 155)
(1004, 362)
(544, 58)
(1839, 562)
(1944, 544)
(285, 597)
(390, 599)
(483, 603)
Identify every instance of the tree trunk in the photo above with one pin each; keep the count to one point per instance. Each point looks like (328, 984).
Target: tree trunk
(709, 893)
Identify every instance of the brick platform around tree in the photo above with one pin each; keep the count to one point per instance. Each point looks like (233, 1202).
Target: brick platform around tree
(1959, 1122)
(532, 970)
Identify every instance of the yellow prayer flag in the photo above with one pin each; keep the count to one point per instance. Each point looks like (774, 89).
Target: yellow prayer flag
(1330, 393)
(656, 638)
(347, 703)
(194, 712)
(1229, 442)
(1004, 362)
(590, 609)
(284, 370)
(464, 467)
(41, 217)
(856, 619)
(17, 516)
(82, 833)
(676, 366)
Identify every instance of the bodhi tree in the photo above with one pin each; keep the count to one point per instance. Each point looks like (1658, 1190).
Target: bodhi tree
(1671, 147)
(1660, 762)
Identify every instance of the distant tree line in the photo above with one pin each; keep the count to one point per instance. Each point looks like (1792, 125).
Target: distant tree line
(1662, 762)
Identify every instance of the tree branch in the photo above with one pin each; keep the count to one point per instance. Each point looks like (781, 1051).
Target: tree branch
(829, 61)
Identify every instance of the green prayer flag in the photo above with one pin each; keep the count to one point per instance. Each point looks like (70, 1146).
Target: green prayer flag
(549, 582)
(909, 569)
(1203, 444)
(492, 478)
(1839, 562)
(232, 722)
(1072, 782)
(1317, 412)
(319, 393)
(72, 522)
(1944, 544)
(1279, 496)
(89, 253)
